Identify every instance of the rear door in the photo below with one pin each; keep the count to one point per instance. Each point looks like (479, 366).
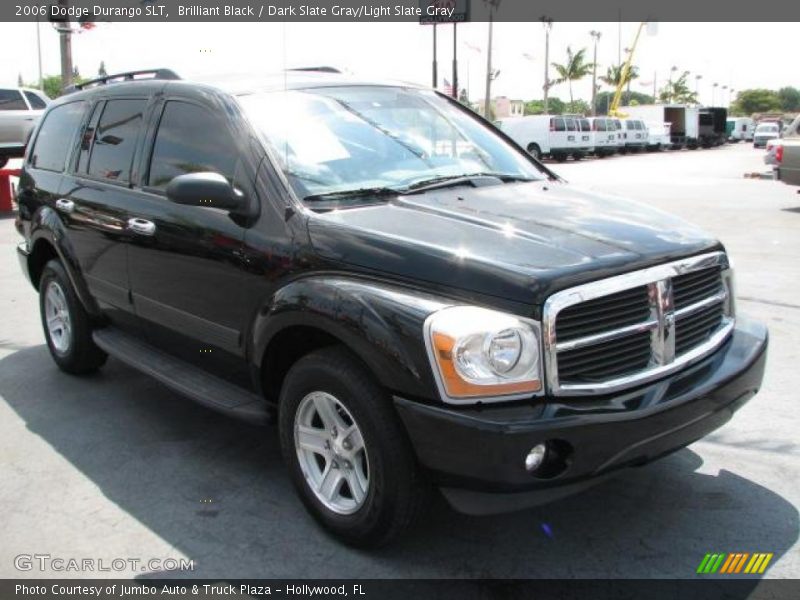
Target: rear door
(16, 119)
(558, 134)
(97, 201)
(186, 265)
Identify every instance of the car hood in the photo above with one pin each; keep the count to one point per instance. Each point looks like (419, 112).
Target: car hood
(520, 242)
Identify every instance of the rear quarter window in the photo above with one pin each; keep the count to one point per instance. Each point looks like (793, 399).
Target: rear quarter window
(36, 101)
(54, 140)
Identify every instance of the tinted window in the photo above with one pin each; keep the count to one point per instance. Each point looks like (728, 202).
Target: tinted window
(35, 101)
(600, 124)
(115, 139)
(55, 136)
(12, 100)
(585, 125)
(559, 124)
(572, 125)
(191, 139)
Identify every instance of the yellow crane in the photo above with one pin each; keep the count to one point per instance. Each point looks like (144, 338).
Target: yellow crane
(613, 109)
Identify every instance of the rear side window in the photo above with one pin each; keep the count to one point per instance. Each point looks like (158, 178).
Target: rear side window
(115, 139)
(557, 125)
(572, 125)
(55, 136)
(191, 139)
(35, 101)
(12, 100)
(585, 125)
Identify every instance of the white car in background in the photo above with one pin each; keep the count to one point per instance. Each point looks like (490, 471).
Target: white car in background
(764, 133)
(658, 136)
(20, 109)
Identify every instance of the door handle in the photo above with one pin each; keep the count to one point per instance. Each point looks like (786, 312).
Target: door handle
(65, 205)
(142, 226)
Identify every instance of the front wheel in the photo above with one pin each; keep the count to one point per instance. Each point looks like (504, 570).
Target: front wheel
(535, 151)
(67, 327)
(346, 450)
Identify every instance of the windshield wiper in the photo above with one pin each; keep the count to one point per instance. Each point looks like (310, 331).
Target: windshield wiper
(376, 192)
(456, 180)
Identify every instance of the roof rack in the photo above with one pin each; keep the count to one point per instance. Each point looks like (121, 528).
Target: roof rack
(320, 69)
(127, 76)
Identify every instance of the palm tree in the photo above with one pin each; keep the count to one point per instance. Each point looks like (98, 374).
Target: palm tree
(678, 91)
(575, 69)
(614, 74)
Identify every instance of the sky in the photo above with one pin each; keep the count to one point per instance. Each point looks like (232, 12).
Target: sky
(737, 55)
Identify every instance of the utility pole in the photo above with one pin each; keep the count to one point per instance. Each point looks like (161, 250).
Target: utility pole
(65, 33)
(455, 60)
(435, 74)
(487, 102)
(548, 24)
(39, 53)
(596, 36)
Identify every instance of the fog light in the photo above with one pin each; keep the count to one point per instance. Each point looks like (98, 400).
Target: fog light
(535, 457)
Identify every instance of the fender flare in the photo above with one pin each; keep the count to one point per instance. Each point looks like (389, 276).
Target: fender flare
(380, 323)
(46, 225)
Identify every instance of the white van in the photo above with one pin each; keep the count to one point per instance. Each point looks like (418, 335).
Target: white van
(740, 129)
(586, 139)
(635, 135)
(658, 136)
(604, 136)
(542, 135)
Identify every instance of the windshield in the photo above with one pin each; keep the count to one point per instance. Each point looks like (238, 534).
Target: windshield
(339, 139)
(767, 129)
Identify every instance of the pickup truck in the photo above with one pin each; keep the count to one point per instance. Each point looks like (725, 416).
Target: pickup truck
(416, 301)
(787, 155)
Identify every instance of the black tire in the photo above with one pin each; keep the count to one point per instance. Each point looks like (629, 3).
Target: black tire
(396, 492)
(80, 355)
(578, 156)
(535, 151)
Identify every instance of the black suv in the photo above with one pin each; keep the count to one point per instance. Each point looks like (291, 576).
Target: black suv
(418, 302)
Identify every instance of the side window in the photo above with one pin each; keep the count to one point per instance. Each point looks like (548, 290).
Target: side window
(560, 126)
(191, 139)
(115, 139)
(35, 101)
(12, 100)
(55, 136)
(572, 125)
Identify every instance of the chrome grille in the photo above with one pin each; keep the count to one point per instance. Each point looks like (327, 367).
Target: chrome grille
(629, 329)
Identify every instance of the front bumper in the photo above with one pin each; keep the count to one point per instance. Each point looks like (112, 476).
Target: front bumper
(477, 455)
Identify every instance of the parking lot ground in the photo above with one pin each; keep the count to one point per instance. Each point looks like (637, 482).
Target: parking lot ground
(117, 466)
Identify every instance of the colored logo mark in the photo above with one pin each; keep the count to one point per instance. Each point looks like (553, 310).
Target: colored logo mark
(735, 562)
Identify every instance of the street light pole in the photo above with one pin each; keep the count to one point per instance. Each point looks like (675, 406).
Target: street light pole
(487, 102)
(548, 24)
(65, 35)
(596, 36)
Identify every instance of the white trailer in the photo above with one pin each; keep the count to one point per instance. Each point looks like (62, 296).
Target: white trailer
(683, 120)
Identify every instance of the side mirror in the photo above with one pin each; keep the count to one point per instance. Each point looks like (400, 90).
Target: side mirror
(206, 189)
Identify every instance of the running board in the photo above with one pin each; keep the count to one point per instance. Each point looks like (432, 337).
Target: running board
(183, 377)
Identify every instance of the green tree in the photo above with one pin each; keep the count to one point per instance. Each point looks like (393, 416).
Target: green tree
(789, 98)
(575, 69)
(555, 106)
(51, 85)
(756, 100)
(614, 74)
(603, 100)
(678, 91)
(101, 70)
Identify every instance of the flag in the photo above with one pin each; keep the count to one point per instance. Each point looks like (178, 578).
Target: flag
(448, 88)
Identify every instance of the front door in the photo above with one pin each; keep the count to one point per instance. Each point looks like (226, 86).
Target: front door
(186, 267)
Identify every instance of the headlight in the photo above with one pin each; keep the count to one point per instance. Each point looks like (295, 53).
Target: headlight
(477, 353)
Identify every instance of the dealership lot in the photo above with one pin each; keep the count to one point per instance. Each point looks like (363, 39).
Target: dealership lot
(117, 466)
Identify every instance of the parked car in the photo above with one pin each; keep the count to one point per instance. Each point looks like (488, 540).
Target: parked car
(740, 129)
(765, 132)
(556, 137)
(604, 136)
(20, 109)
(416, 300)
(658, 136)
(635, 135)
(787, 154)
